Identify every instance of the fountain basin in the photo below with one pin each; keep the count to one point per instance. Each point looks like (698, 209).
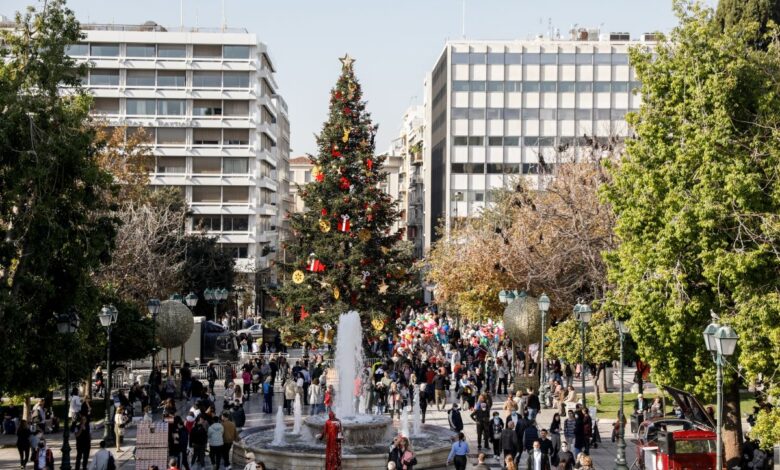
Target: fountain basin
(358, 431)
(301, 452)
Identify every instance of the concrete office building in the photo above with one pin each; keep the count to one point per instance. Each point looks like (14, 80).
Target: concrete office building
(498, 109)
(218, 127)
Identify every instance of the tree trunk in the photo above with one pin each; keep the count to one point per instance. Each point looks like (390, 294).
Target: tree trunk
(27, 408)
(596, 378)
(604, 379)
(732, 422)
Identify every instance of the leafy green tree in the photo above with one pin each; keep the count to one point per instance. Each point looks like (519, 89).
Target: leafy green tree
(697, 201)
(55, 226)
(336, 267)
(731, 13)
(601, 344)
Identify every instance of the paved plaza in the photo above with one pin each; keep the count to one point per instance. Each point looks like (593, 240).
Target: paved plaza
(603, 456)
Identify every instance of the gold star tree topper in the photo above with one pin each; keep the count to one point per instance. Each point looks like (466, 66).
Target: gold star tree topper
(346, 62)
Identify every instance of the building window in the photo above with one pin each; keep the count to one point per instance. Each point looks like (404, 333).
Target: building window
(140, 78)
(531, 87)
(77, 50)
(549, 87)
(207, 108)
(530, 113)
(584, 114)
(531, 59)
(141, 50)
(201, 136)
(235, 194)
(477, 58)
(495, 86)
(235, 52)
(464, 168)
(584, 87)
(138, 107)
(602, 87)
(235, 223)
(513, 86)
(566, 114)
(236, 80)
(103, 77)
(206, 165)
(460, 140)
(236, 108)
(171, 136)
(207, 51)
(495, 58)
(460, 113)
(494, 113)
(235, 166)
(104, 50)
(171, 78)
(618, 87)
(511, 141)
(549, 59)
(236, 250)
(603, 59)
(566, 58)
(236, 136)
(603, 114)
(476, 141)
(171, 51)
(511, 113)
(460, 85)
(207, 222)
(513, 58)
(477, 86)
(476, 113)
(547, 114)
(460, 57)
(566, 87)
(171, 107)
(584, 59)
(495, 142)
(619, 59)
(171, 165)
(479, 196)
(105, 105)
(619, 114)
(531, 141)
(206, 194)
(206, 79)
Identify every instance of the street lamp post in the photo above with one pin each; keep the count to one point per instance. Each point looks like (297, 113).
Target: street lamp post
(215, 296)
(154, 306)
(108, 317)
(544, 305)
(582, 312)
(620, 458)
(67, 324)
(721, 341)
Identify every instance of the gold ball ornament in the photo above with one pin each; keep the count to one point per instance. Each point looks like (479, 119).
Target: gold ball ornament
(336, 293)
(364, 235)
(377, 324)
(324, 226)
(345, 137)
(298, 276)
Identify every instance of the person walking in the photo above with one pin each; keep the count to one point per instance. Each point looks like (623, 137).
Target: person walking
(454, 418)
(101, 458)
(198, 440)
(537, 460)
(229, 436)
(316, 397)
(83, 441)
(216, 442)
(23, 435)
(440, 385)
(565, 458)
(43, 459)
(481, 465)
(268, 395)
(120, 420)
(496, 429)
(481, 416)
(580, 440)
(459, 453)
(509, 440)
(289, 396)
(569, 427)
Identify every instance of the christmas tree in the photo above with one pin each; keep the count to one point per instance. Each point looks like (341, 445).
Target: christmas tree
(346, 256)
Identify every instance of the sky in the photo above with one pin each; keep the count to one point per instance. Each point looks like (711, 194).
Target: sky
(395, 42)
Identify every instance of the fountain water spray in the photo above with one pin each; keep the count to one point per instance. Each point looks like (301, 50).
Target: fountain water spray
(405, 422)
(416, 412)
(349, 361)
(279, 429)
(297, 414)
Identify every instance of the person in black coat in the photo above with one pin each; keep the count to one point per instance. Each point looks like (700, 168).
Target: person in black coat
(456, 422)
(83, 441)
(395, 452)
(580, 441)
(565, 458)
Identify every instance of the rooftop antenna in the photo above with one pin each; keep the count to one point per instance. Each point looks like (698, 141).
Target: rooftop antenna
(224, 21)
(463, 21)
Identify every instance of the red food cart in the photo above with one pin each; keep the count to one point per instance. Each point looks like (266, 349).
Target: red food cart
(687, 443)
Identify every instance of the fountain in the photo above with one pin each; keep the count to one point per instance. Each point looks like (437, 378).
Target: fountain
(366, 436)
(405, 422)
(279, 428)
(416, 413)
(297, 414)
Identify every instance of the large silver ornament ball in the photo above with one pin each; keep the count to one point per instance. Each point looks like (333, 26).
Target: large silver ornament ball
(522, 321)
(174, 324)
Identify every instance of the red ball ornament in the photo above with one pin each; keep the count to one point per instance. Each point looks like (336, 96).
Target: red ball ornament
(338, 95)
(343, 183)
(320, 177)
(335, 151)
(347, 111)
(324, 212)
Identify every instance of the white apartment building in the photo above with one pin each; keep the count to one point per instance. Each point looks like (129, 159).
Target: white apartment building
(498, 109)
(218, 127)
(300, 174)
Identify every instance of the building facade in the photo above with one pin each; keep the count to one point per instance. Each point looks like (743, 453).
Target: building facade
(499, 109)
(219, 129)
(300, 174)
